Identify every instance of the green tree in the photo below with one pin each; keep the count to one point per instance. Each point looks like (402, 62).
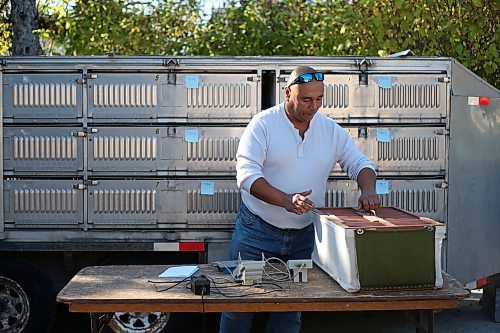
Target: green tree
(128, 27)
(466, 30)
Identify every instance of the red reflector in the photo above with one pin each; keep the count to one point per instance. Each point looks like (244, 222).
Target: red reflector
(481, 282)
(191, 246)
(484, 101)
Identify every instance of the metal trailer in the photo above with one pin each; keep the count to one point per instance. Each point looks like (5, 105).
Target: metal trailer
(132, 160)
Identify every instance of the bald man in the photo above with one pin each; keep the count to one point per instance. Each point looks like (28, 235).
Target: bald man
(284, 159)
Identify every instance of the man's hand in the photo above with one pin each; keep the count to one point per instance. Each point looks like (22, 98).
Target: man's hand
(298, 203)
(368, 200)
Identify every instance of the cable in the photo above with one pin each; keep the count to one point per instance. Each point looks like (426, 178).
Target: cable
(175, 283)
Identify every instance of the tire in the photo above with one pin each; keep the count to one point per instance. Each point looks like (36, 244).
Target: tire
(27, 302)
(134, 322)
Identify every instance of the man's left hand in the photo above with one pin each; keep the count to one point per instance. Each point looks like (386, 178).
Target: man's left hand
(368, 200)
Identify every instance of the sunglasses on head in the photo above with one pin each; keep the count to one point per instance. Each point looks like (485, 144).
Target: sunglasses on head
(308, 77)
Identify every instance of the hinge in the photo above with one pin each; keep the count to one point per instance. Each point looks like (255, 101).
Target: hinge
(281, 79)
(80, 134)
(442, 132)
(363, 132)
(441, 185)
(85, 184)
(446, 79)
(171, 62)
(85, 131)
(85, 78)
(253, 78)
(363, 67)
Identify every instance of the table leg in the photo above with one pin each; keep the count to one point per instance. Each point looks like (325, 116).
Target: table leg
(99, 321)
(94, 323)
(425, 321)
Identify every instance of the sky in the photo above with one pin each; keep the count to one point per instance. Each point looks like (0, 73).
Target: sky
(209, 4)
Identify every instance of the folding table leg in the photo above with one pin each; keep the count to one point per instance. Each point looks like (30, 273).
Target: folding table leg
(425, 321)
(98, 321)
(94, 323)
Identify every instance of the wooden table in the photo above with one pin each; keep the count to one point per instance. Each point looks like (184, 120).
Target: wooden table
(108, 289)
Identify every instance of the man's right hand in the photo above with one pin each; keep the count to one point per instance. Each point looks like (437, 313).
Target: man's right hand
(298, 203)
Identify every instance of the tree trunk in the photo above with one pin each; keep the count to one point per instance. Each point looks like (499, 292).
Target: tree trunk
(23, 16)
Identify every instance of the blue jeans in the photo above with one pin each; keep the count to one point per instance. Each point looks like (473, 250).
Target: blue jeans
(252, 236)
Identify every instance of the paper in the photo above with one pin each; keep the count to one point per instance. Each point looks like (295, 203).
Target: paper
(179, 272)
(192, 81)
(191, 136)
(383, 135)
(385, 82)
(382, 187)
(473, 100)
(207, 188)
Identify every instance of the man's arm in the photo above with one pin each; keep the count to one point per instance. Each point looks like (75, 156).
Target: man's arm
(366, 180)
(297, 203)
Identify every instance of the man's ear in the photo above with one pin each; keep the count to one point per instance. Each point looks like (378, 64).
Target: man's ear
(287, 93)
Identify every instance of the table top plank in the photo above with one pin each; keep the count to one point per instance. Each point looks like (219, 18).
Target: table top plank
(126, 287)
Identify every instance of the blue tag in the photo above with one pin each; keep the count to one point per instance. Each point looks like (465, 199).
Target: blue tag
(382, 187)
(385, 82)
(383, 135)
(207, 188)
(192, 81)
(191, 136)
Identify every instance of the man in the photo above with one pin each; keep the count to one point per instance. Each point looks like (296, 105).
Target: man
(284, 158)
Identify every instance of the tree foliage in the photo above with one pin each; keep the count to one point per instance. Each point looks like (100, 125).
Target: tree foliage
(466, 30)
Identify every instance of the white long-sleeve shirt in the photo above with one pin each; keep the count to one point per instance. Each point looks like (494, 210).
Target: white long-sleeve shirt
(271, 147)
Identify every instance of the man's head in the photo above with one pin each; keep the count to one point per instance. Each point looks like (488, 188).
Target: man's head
(303, 94)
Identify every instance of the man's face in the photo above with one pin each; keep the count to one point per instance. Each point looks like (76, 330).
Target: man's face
(304, 100)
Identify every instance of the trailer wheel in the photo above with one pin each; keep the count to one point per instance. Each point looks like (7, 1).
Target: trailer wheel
(139, 322)
(26, 303)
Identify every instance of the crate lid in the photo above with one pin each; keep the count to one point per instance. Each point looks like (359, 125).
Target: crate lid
(383, 218)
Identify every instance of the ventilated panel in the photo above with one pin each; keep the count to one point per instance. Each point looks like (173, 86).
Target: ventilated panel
(133, 150)
(335, 95)
(42, 149)
(133, 201)
(340, 193)
(213, 152)
(402, 98)
(45, 201)
(422, 197)
(42, 202)
(164, 150)
(223, 201)
(163, 203)
(406, 96)
(126, 148)
(216, 206)
(220, 95)
(125, 95)
(45, 96)
(408, 150)
(145, 96)
(213, 149)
